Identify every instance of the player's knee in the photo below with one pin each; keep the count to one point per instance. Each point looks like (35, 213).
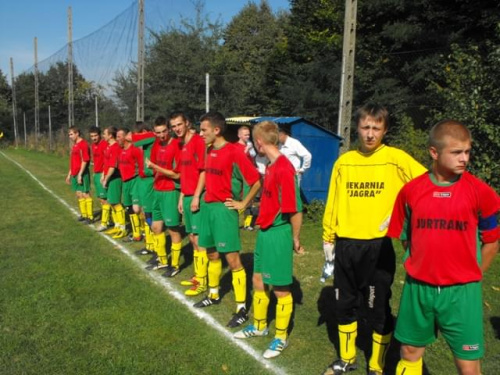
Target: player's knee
(411, 353)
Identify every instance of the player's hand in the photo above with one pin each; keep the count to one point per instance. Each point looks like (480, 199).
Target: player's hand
(234, 205)
(297, 247)
(328, 249)
(68, 179)
(104, 183)
(149, 163)
(79, 179)
(179, 207)
(195, 204)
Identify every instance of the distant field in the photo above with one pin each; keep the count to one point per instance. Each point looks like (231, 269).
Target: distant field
(74, 303)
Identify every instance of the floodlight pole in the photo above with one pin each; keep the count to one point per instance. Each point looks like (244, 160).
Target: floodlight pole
(207, 92)
(71, 99)
(347, 77)
(37, 102)
(140, 63)
(14, 103)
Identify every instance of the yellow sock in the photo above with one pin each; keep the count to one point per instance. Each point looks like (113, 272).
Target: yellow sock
(214, 273)
(142, 222)
(113, 217)
(134, 223)
(248, 220)
(202, 267)
(260, 305)
(150, 243)
(240, 287)
(90, 209)
(160, 241)
(380, 346)
(120, 215)
(106, 211)
(409, 368)
(176, 254)
(83, 207)
(284, 308)
(347, 339)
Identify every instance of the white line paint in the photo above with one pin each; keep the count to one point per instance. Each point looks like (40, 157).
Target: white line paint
(167, 285)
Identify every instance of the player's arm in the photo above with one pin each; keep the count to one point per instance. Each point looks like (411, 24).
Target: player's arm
(195, 203)
(105, 178)
(306, 157)
(296, 223)
(488, 253)
(330, 215)
(241, 205)
(167, 172)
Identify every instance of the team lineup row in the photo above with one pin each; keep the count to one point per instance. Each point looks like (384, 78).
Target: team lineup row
(204, 181)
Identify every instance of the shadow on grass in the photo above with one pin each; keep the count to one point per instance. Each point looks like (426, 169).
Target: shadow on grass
(327, 316)
(495, 323)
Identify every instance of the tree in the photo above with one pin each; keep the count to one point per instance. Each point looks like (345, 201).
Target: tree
(6, 121)
(244, 84)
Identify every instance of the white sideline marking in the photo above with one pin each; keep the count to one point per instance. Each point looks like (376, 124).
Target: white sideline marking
(199, 313)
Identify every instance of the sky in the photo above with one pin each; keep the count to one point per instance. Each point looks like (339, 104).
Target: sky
(22, 20)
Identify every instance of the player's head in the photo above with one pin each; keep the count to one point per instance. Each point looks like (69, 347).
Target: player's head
(161, 128)
(265, 133)
(95, 134)
(212, 125)
(109, 133)
(179, 123)
(282, 135)
(449, 145)
(141, 127)
(73, 133)
(121, 137)
(373, 123)
(244, 134)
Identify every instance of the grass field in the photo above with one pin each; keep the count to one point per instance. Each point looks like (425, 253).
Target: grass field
(74, 303)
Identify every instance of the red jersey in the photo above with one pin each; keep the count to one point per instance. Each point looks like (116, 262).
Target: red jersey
(220, 166)
(441, 224)
(280, 193)
(165, 155)
(191, 163)
(129, 161)
(111, 155)
(79, 154)
(243, 148)
(98, 150)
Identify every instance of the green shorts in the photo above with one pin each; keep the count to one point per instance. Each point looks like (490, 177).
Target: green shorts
(191, 219)
(273, 256)
(456, 311)
(130, 193)
(114, 191)
(100, 192)
(84, 187)
(146, 193)
(165, 207)
(219, 228)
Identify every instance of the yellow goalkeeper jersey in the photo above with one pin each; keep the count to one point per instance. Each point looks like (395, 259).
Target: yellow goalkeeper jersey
(363, 188)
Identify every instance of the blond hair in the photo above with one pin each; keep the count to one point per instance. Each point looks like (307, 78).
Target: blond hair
(267, 132)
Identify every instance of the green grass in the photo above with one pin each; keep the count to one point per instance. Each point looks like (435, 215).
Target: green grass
(71, 303)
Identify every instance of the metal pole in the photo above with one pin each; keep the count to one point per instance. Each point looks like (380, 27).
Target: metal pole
(96, 113)
(207, 92)
(71, 115)
(25, 137)
(140, 63)
(37, 103)
(347, 78)
(50, 131)
(14, 104)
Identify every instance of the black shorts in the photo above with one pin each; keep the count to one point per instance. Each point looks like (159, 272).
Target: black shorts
(364, 272)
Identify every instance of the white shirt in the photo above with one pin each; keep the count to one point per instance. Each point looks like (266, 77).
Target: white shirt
(296, 153)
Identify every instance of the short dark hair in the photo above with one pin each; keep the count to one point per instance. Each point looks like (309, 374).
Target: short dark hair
(95, 130)
(216, 120)
(140, 126)
(377, 111)
(125, 130)
(160, 120)
(176, 114)
(112, 131)
(74, 129)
